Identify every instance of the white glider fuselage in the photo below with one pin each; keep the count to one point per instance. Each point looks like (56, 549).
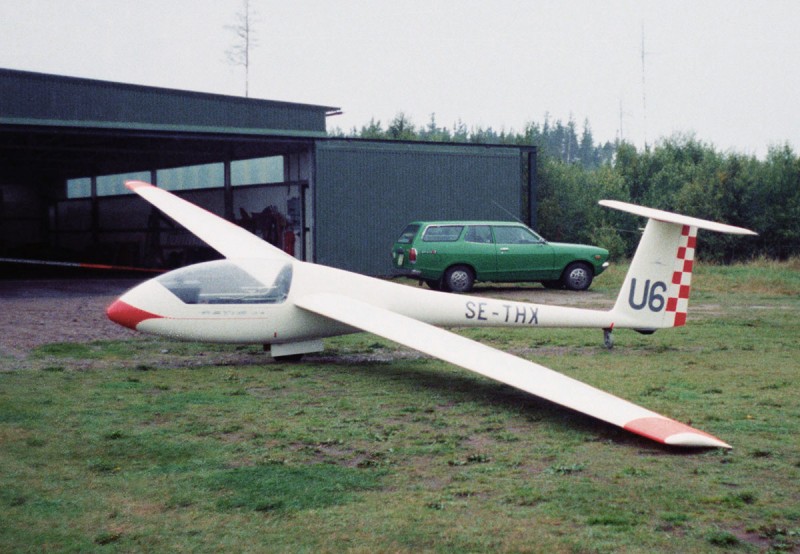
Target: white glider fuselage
(164, 313)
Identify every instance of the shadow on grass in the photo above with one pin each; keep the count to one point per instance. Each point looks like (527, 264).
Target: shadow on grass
(464, 387)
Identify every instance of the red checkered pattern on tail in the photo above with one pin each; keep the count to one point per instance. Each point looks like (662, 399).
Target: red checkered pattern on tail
(678, 299)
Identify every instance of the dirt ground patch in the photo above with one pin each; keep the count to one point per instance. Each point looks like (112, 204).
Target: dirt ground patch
(43, 311)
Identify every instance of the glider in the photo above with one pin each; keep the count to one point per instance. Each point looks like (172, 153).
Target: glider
(259, 294)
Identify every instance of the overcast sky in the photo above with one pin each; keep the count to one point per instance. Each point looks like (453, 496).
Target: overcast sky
(726, 71)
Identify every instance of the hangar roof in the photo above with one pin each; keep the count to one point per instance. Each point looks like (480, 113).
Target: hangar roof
(54, 100)
(59, 127)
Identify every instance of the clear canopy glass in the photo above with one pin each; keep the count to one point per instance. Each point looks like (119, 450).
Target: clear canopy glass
(224, 282)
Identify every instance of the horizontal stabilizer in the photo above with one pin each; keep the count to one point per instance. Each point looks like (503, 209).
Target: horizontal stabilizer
(669, 217)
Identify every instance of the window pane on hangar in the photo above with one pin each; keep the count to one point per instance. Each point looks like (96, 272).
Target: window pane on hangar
(258, 171)
(79, 188)
(110, 185)
(107, 185)
(192, 177)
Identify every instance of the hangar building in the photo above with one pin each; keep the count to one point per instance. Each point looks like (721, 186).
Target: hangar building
(67, 145)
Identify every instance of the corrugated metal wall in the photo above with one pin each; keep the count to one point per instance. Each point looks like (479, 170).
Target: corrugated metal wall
(366, 191)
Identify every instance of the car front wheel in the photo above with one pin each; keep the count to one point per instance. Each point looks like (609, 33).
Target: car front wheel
(459, 278)
(577, 276)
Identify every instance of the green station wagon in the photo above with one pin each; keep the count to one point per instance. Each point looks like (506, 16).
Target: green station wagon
(452, 255)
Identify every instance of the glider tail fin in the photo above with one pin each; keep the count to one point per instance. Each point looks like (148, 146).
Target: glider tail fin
(655, 293)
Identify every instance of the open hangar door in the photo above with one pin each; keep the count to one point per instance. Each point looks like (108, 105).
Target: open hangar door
(276, 209)
(101, 221)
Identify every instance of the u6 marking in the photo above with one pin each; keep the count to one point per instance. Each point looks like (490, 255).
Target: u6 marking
(651, 296)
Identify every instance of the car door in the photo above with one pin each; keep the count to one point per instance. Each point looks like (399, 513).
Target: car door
(522, 255)
(481, 251)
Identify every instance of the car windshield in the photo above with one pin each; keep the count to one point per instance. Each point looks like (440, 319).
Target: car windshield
(515, 234)
(224, 282)
(408, 234)
(442, 233)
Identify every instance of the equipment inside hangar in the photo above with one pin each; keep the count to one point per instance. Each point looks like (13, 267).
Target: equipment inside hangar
(67, 145)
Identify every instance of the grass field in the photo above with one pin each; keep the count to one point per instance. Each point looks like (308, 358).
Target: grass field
(149, 445)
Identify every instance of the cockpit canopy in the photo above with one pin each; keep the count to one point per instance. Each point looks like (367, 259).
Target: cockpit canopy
(226, 282)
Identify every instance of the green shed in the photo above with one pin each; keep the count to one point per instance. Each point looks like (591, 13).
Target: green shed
(366, 191)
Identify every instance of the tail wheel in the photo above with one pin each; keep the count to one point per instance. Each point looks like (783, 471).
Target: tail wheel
(608, 338)
(577, 276)
(459, 278)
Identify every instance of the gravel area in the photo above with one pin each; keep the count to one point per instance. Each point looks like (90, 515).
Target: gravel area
(42, 311)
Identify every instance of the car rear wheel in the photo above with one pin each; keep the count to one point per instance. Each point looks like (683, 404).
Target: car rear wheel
(459, 278)
(577, 276)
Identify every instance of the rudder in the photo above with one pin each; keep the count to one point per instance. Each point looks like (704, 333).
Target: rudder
(655, 293)
(680, 287)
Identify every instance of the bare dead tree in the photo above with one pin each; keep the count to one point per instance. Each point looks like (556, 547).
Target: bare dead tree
(245, 41)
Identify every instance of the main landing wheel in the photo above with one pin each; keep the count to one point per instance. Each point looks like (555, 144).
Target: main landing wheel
(290, 359)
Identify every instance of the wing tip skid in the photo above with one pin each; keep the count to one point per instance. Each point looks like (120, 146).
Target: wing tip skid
(674, 433)
(670, 217)
(695, 440)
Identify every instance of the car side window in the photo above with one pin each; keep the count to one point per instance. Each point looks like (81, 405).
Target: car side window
(515, 235)
(442, 233)
(408, 233)
(481, 234)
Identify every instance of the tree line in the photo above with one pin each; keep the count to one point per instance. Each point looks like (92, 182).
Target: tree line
(679, 173)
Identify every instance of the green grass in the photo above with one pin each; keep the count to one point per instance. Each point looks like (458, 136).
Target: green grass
(152, 445)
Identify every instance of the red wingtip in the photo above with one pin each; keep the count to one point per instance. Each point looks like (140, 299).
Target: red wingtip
(669, 431)
(133, 185)
(127, 315)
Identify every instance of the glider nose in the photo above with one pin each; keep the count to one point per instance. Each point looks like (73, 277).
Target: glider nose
(127, 315)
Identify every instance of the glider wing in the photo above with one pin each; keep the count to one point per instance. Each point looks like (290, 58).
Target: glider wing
(225, 237)
(506, 368)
